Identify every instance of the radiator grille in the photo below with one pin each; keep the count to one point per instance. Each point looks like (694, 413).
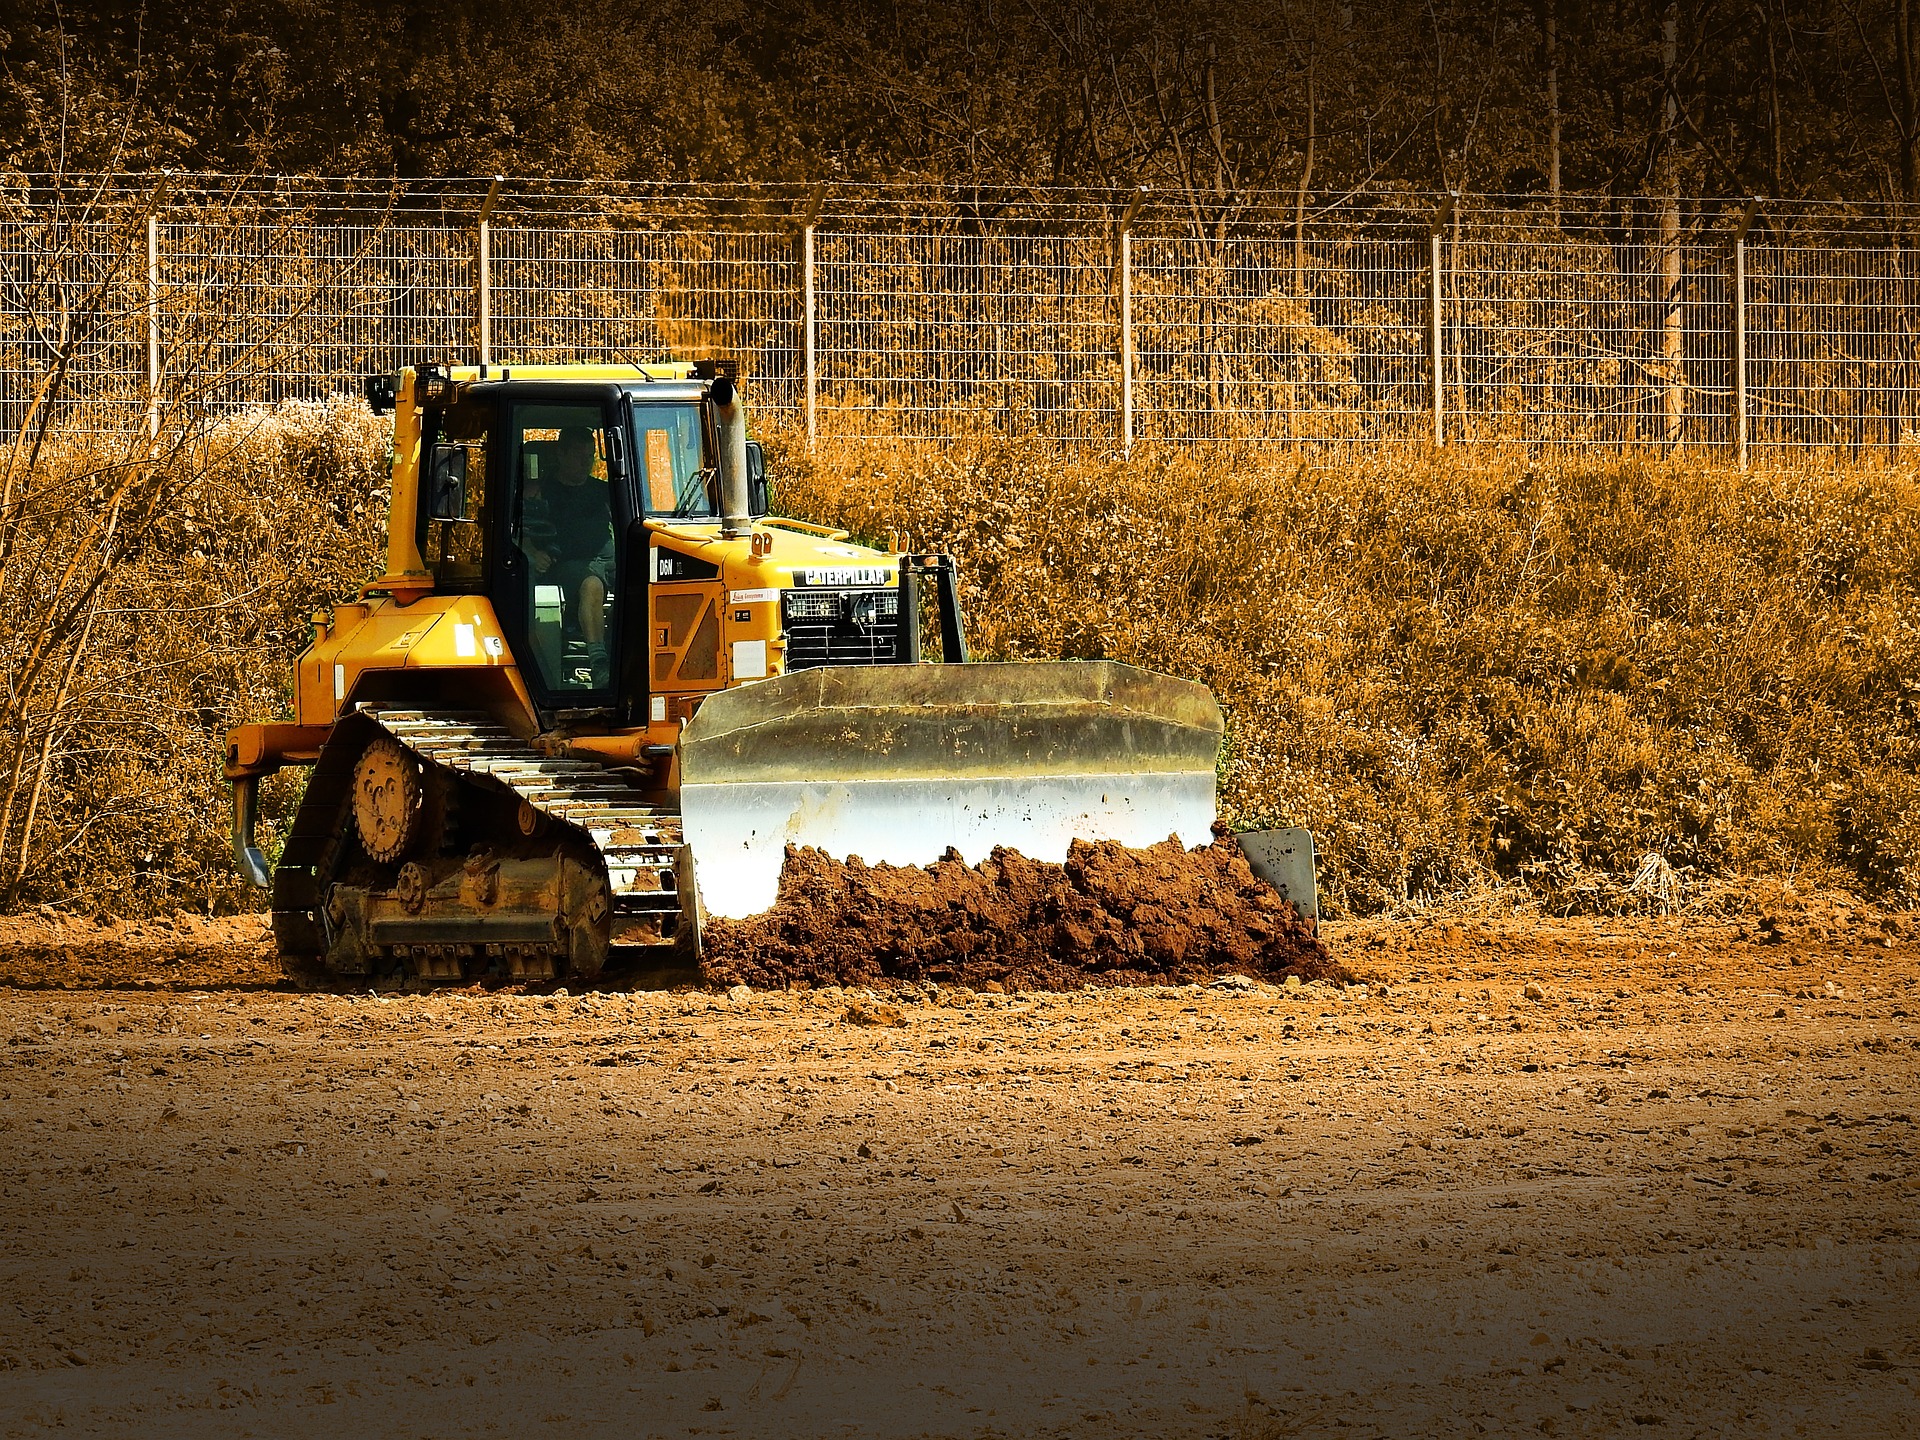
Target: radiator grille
(841, 627)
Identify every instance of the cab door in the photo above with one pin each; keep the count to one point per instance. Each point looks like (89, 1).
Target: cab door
(455, 508)
(560, 575)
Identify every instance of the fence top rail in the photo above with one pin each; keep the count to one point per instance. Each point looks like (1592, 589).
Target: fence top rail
(783, 205)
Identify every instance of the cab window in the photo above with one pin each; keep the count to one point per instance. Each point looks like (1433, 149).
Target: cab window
(675, 477)
(563, 528)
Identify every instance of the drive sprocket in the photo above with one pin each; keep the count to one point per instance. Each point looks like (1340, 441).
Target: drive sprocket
(388, 794)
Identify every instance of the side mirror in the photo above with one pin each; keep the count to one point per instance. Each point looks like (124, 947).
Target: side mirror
(447, 484)
(759, 502)
(380, 391)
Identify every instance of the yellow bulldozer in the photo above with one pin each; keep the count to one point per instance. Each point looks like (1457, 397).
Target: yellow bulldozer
(600, 690)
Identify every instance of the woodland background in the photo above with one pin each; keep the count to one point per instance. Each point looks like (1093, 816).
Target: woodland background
(1785, 98)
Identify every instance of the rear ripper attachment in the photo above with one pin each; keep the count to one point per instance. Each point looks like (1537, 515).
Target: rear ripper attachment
(438, 845)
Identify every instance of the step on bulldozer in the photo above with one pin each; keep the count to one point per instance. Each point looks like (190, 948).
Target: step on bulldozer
(599, 690)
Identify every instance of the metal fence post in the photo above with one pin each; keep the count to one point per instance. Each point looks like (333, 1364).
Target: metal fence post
(1126, 341)
(1435, 351)
(810, 338)
(1740, 329)
(483, 274)
(153, 327)
(1125, 265)
(810, 315)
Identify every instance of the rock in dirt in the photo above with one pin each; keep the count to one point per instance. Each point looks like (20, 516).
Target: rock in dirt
(861, 1013)
(1235, 984)
(1110, 915)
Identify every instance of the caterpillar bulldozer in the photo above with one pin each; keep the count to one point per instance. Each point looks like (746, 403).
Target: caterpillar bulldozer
(599, 690)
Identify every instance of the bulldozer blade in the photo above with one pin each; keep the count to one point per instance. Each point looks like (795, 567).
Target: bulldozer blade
(895, 764)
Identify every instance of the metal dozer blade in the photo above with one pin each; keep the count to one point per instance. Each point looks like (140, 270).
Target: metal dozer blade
(895, 763)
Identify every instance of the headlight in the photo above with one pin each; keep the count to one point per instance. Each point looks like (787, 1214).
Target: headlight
(812, 605)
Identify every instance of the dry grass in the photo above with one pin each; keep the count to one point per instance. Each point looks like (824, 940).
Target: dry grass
(1473, 675)
(1480, 680)
(196, 623)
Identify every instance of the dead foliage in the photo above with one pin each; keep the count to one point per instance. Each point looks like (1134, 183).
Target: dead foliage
(1586, 683)
(1595, 682)
(188, 624)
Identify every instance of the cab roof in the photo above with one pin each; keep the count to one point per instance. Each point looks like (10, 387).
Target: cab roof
(576, 374)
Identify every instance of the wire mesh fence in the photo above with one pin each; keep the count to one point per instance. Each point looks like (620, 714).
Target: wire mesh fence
(1277, 337)
(927, 333)
(72, 303)
(1609, 329)
(1835, 336)
(598, 294)
(1089, 318)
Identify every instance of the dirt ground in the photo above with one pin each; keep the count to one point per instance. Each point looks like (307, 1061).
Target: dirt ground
(1672, 1192)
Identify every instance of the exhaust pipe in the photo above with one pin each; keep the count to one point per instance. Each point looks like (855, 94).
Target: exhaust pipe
(730, 430)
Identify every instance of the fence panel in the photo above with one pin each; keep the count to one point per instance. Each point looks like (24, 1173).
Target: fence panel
(594, 294)
(1835, 335)
(1269, 338)
(925, 335)
(1585, 328)
(1604, 322)
(256, 310)
(73, 295)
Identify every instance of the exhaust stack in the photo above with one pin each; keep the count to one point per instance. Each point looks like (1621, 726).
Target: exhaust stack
(730, 431)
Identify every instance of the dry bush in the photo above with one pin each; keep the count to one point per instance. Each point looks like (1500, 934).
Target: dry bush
(154, 562)
(1470, 674)
(196, 624)
(1472, 671)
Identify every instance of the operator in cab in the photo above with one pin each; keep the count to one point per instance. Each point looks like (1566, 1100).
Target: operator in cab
(573, 515)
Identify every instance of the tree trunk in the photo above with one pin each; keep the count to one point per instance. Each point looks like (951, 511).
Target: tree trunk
(1909, 101)
(1306, 179)
(1552, 28)
(1777, 168)
(1672, 317)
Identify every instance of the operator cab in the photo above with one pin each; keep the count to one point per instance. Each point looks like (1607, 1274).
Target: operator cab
(534, 492)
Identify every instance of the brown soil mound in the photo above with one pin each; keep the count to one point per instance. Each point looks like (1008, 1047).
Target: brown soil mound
(1109, 916)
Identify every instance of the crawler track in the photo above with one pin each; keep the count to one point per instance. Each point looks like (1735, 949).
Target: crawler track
(638, 841)
(598, 816)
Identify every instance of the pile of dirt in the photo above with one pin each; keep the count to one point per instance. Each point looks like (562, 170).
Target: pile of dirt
(1109, 916)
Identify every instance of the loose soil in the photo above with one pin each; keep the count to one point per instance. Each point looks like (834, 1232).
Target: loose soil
(51, 950)
(1580, 1178)
(1109, 916)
